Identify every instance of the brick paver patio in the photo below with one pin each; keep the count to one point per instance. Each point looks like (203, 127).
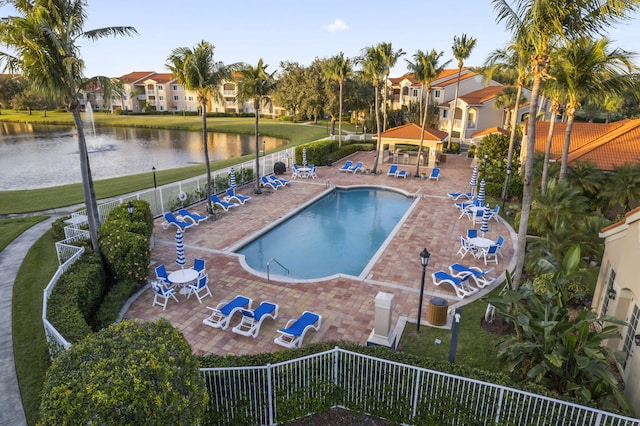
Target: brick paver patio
(346, 304)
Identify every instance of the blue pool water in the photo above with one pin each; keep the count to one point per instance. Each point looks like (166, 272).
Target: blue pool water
(339, 233)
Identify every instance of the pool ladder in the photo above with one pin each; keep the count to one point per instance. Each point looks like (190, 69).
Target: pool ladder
(281, 265)
(418, 193)
(330, 184)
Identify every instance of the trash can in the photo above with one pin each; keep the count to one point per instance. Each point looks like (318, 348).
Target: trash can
(437, 311)
(329, 162)
(279, 168)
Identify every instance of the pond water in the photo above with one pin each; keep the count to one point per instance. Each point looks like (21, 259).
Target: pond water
(39, 156)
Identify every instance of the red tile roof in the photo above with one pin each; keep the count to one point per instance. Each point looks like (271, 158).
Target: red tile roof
(606, 145)
(483, 95)
(136, 76)
(162, 77)
(412, 131)
(622, 221)
(489, 131)
(445, 74)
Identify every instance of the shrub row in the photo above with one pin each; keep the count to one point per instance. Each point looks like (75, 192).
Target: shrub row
(319, 152)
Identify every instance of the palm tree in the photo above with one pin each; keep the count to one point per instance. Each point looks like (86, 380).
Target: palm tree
(539, 24)
(462, 48)
(196, 71)
(389, 59)
(338, 68)
(587, 67)
(43, 37)
(373, 70)
(622, 186)
(256, 85)
(512, 59)
(554, 95)
(507, 100)
(425, 69)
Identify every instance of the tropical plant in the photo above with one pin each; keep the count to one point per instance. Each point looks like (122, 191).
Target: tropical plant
(462, 47)
(425, 69)
(127, 373)
(622, 186)
(586, 67)
(196, 70)
(256, 85)
(373, 69)
(338, 68)
(43, 36)
(540, 24)
(553, 347)
(389, 59)
(591, 180)
(554, 95)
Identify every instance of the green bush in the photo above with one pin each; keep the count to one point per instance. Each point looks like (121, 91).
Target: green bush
(114, 301)
(129, 373)
(58, 228)
(76, 296)
(471, 153)
(455, 147)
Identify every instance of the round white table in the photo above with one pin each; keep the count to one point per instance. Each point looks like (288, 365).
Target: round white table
(479, 242)
(183, 277)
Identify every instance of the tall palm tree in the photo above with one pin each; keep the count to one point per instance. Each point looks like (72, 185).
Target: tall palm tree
(622, 186)
(515, 59)
(389, 59)
(256, 85)
(43, 36)
(339, 68)
(196, 70)
(507, 100)
(587, 67)
(425, 69)
(540, 23)
(462, 47)
(373, 69)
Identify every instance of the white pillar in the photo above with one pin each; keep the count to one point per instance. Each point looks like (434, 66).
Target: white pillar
(383, 334)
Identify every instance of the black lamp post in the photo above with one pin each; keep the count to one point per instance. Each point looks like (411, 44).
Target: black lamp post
(505, 194)
(130, 210)
(424, 260)
(153, 169)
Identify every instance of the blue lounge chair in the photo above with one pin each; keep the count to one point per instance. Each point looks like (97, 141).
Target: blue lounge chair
(402, 174)
(460, 285)
(393, 170)
(161, 294)
(357, 167)
(292, 335)
(478, 275)
(225, 205)
(346, 166)
(170, 219)
(268, 182)
(252, 319)
(222, 313)
(457, 195)
(435, 173)
(233, 195)
(194, 217)
(274, 178)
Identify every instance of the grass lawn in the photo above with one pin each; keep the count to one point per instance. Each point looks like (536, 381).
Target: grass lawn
(10, 229)
(476, 347)
(29, 342)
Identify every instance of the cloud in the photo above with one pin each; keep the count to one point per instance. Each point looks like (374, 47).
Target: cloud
(337, 25)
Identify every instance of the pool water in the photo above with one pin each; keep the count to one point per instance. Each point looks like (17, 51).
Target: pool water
(339, 233)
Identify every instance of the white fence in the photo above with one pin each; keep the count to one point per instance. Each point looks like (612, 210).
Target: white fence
(273, 393)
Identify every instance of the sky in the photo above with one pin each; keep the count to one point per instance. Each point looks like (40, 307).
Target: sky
(295, 31)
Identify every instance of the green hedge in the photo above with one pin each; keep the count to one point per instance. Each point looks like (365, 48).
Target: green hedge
(76, 297)
(114, 301)
(319, 152)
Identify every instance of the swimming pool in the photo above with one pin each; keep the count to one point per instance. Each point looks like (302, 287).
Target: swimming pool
(339, 233)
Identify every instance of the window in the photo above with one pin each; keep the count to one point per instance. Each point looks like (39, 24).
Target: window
(190, 98)
(174, 87)
(176, 98)
(161, 108)
(629, 340)
(445, 113)
(414, 93)
(161, 98)
(160, 88)
(437, 93)
(605, 299)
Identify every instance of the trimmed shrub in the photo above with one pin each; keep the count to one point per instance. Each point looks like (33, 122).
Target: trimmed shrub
(128, 373)
(114, 301)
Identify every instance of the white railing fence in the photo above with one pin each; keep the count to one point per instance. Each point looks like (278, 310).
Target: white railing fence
(411, 395)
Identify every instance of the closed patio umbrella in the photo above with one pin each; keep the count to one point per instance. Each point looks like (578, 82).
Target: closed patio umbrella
(481, 193)
(304, 157)
(232, 177)
(474, 180)
(180, 259)
(484, 228)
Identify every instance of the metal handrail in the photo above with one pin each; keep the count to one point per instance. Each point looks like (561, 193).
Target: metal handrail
(281, 265)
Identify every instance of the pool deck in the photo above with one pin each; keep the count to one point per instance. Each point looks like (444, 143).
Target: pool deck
(345, 303)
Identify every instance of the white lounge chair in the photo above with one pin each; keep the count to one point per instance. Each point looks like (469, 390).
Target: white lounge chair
(252, 319)
(272, 184)
(233, 195)
(292, 335)
(193, 217)
(170, 219)
(478, 275)
(225, 205)
(393, 170)
(460, 285)
(435, 173)
(356, 168)
(346, 166)
(221, 315)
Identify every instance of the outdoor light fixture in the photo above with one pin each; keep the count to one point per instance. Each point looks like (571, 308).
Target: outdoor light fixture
(637, 339)
(130, 210)
(153, 169)
(424, 261)
(611, 294)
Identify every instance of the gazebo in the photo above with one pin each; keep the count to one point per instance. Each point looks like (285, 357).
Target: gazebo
(409, 134)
